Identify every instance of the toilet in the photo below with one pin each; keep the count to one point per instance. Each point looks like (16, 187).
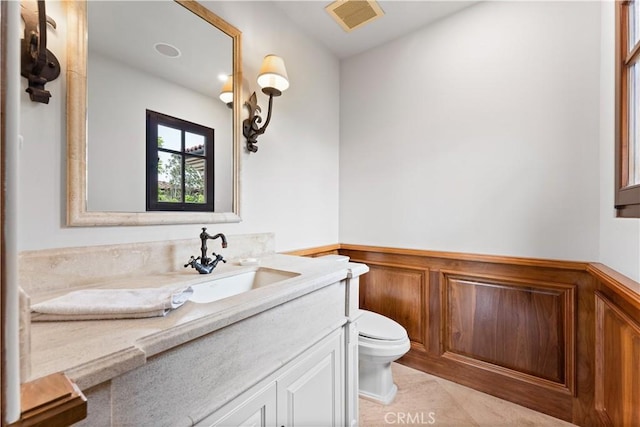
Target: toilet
(381, 341)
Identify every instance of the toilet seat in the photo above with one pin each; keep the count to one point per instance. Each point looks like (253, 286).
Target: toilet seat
(374, 326)
(372, 349)
(380, 342)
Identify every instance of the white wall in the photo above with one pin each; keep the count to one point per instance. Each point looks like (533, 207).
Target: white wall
(478, 134)
(488, 132)
(289, 187)
(619, 237)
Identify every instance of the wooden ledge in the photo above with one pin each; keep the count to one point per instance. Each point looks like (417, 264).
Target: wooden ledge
(320, 250)
(52, 401)
(462, 256)
(622, 285)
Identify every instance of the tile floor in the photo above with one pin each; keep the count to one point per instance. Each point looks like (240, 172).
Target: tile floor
(424, 399)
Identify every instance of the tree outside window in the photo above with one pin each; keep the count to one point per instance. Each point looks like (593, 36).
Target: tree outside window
(179, 164)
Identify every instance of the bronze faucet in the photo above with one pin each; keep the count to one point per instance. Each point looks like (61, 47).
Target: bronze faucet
(206, 264)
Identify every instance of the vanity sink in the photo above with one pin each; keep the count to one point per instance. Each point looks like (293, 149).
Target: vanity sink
(232, 285)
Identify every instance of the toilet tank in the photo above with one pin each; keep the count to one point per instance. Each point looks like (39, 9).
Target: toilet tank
(339, 258)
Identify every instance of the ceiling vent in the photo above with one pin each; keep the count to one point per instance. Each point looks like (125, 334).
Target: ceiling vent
(351, 14)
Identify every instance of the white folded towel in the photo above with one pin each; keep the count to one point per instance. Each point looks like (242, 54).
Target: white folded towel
(95, 304)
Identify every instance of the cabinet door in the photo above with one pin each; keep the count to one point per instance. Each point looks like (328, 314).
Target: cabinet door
(256, 410)
(311, 392)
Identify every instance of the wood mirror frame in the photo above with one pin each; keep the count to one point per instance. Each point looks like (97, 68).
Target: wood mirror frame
(77, 213)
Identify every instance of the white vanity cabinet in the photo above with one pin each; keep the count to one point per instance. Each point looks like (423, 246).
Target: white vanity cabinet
(280, 355)
(317, 388)
(311, 392)
(255, 408)
(308, 391)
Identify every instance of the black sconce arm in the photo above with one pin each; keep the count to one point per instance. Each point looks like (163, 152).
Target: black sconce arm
(273, 80)
(38, 64)
(251, 125)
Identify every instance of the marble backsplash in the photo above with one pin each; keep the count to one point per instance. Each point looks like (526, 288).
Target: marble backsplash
(64, 268)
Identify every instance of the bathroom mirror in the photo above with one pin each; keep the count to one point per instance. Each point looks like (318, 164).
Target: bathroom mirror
(120, 66)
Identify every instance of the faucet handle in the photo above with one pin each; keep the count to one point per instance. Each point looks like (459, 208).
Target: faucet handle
(216, 259)
(192, 260)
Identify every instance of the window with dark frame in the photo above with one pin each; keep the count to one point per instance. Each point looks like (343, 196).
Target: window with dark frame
(179, 164)
(627, 168)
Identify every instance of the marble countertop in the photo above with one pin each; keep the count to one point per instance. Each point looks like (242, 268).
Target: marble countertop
(91, 352)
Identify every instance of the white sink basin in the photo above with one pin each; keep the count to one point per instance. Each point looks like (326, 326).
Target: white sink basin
(232, 285)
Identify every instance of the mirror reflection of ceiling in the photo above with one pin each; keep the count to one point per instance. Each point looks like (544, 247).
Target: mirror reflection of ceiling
(128, 30)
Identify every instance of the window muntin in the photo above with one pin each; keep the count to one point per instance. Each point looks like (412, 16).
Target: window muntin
(633, 22)
(179, 164)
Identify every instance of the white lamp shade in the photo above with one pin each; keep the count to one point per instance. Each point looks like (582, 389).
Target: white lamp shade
(273, 74)
(226, 94)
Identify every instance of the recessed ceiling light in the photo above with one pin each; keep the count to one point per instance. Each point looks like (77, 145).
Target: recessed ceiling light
(223, 77)
(167, 50)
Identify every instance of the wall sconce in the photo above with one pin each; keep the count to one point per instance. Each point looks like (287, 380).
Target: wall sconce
(226, 94)
(273, 80)
(38, 64)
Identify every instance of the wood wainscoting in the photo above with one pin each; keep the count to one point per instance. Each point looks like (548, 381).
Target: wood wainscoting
(523, 328)
(560, 337)
(520, 329)
(617, 362)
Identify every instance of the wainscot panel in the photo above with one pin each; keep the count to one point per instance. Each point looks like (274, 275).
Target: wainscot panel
(521, 326)
(617, 375)
(617, 363)
(560, 337)
(403, 302)
(519, 329)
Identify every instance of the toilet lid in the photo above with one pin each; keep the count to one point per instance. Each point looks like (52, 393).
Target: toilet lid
(376, 326)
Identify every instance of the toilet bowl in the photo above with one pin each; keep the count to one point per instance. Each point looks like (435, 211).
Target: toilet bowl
(380, 342)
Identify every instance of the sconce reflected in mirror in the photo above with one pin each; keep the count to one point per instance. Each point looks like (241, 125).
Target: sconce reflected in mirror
(273, 80)
(226, 94)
